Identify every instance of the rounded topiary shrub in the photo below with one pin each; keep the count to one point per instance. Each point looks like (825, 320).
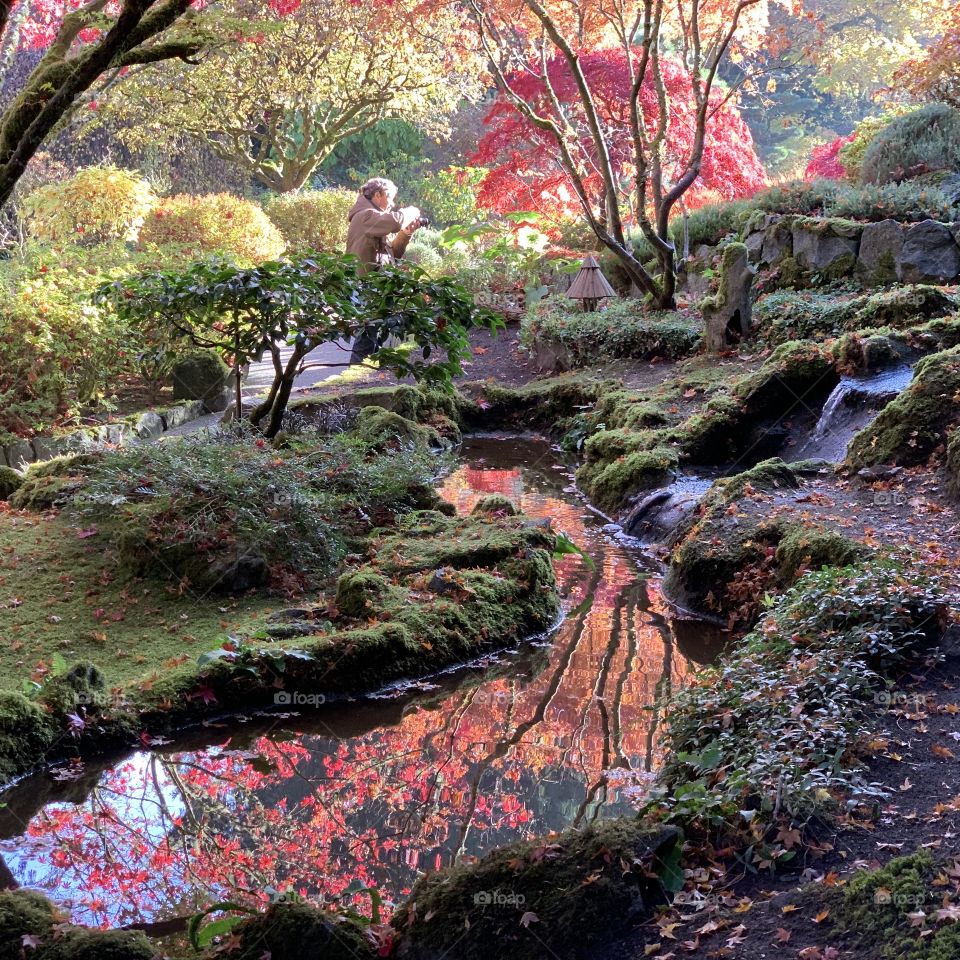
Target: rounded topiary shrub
(95, 205)
(312, 219)
(201, 375)
(925, 140)
(215, 223)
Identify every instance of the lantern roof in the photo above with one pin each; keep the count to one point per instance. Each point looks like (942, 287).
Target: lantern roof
(590, 283)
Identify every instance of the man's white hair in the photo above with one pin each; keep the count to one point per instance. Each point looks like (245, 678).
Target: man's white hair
(376, 184)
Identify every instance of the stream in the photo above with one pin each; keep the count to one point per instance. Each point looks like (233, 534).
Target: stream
(370, 792)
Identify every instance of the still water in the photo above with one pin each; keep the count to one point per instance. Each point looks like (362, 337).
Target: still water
(555, 734)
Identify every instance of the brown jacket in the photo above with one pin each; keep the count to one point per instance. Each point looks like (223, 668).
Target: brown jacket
(374, 235)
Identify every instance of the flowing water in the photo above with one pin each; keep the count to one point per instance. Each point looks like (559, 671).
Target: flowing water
(554, 734)
(853, 405)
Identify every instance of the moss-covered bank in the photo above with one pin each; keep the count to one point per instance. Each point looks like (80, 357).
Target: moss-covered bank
(437, 591)
(730, 555)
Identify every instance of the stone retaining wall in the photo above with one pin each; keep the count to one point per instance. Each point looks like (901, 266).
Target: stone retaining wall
(816, 249)
(140, 426)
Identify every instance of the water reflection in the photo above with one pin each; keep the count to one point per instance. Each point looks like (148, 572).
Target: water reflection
(381, 790)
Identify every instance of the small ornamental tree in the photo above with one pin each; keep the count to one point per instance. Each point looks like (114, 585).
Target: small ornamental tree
(524, 174)
(826, 162)
(244, 313)
(610, 132)
(936, 74)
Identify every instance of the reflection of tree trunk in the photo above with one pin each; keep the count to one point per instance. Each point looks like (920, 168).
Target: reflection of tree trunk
(663, 690)
(619, 759)
(504, 746)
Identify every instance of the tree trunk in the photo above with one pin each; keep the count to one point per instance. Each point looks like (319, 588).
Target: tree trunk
(284, 387)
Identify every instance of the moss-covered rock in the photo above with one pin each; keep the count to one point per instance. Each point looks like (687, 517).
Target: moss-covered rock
(609, 483)
(82, 685)
(541, 403)
(811, 548)
(716, 550)
(201, 375)
(51, 482)
(26, 913)
(918, 421)
(10, 482)
(26, 733)
(795, 375)
(495, 504)
(360, 592)
(558, 897)
(953, 463)
(298, 931)
(382, 428)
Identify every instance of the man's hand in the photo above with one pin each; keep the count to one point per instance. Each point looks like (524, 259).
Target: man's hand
(411, 217)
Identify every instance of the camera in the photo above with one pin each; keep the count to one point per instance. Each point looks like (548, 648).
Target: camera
(421, 222)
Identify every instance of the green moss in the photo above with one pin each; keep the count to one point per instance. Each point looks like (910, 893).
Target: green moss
(360, 592)
(10, 482)
(583, 888)
(811, 548)
(298, 931)
(26, 733)
(200, 375)
(609, 484)
(541, 403)
(51, 482)
(953, 463)
(918, 421)
(385, 429)
(768, 475)
(28, 913)
(795, 375)
(495, 504)
(715, 433)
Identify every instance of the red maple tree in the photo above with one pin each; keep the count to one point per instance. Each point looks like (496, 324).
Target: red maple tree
(825, 160)
(525, 169)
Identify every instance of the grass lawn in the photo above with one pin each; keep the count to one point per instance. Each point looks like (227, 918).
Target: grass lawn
(61, 591)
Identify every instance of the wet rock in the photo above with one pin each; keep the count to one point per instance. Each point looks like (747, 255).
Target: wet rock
(930, 254)
(655, 517)
(880, 248)
(879, 473)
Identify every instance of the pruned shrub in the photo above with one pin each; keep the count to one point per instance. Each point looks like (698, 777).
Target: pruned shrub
(96, 204)
(925, 140)
(215, 223)
(312, 219)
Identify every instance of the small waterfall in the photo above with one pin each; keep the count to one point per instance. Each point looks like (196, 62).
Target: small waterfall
(853, 405)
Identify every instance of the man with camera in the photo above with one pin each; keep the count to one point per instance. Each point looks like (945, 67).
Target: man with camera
(378, 234)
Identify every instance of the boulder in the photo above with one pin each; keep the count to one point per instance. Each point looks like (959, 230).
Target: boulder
(10, 482)
(777, 241)
(19, 454)
(880, 248)
(754, 245)
(148, 425)
(182, 413)
(202, 375)
(46, 448)
(930, 254)
(827, 246)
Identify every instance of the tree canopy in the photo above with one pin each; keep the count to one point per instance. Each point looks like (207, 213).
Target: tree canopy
(280, 89)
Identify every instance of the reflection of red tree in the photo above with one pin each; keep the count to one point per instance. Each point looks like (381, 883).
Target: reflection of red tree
(507, 482)
(505, 759)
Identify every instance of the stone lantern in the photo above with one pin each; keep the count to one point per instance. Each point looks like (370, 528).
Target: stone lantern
(590, 285)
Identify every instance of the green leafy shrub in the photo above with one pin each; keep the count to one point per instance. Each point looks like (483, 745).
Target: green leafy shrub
(57, 350)
(215, 223)
(621, 328)
(449, 196)
(762, 732)
(925, 140)
(710, 224)
(802, 197)
(96, 204)
(312, 219)
(852, 153)
(908, 202)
